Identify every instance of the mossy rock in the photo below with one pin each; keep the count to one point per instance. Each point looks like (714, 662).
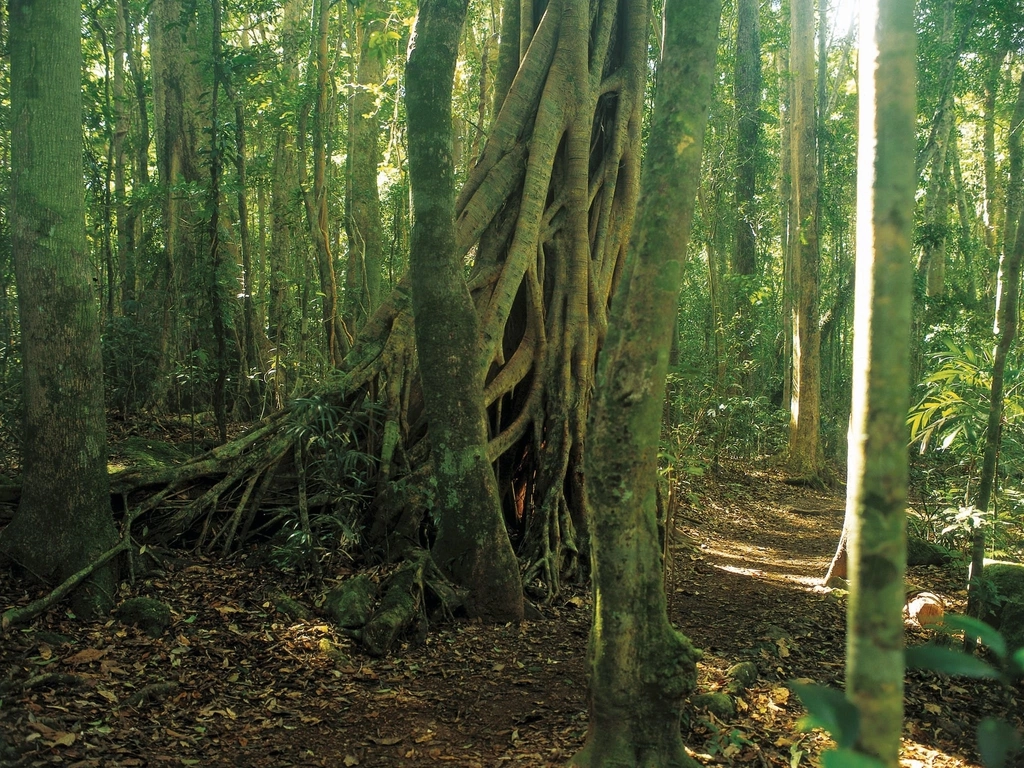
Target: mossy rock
(350, 603)
(398, 610)
(718, 704)
(1004, 603)
(150, 615)
(291, 608)
(923, 552)
(741, 676)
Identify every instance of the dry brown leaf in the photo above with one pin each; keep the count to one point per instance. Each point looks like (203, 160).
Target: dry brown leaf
(86, 656)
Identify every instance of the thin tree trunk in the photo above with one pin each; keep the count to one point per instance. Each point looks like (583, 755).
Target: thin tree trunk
(805, 404)
(362, 220)
(285, 179)
(748, 107)
(992, 210)
(251, 366)
(877, 479)
(316, 198)
(787, 219)
(217, 309)
(125, 225)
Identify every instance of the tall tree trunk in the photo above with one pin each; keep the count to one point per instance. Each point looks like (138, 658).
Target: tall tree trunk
(217, 308)
(285, 217)
(805, 404)
(748, 108)
(362, 220)
(143, 139)
(932, 260)
(63, 520)
(251, 365)
(174, 45)
(966, 219)
(642, 668)
(787, 219)
(1005, 328)
(992, 211)
(315, 198)
(125, 223)
(472, 544)
(877, 480)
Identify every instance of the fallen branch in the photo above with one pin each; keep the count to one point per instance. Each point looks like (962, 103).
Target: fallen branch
(16, 616)
(150, 693)
(53, 679)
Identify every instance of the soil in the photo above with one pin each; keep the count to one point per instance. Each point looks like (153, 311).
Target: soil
(234, 682)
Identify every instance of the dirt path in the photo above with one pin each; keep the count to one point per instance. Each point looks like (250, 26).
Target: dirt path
(248, 687)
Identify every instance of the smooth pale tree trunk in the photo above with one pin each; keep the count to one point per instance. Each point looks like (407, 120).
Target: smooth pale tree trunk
(805, 402)
(642, 668)
(1005, 330)
(63, 520)
(472, 545)
(877, 475)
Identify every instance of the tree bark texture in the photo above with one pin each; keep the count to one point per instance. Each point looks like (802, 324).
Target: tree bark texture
(805, 403)
(642, 668)
(472, 545)
(63, 519)
(877, 474)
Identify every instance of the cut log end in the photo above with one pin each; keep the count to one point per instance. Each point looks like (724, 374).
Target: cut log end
(925, 608)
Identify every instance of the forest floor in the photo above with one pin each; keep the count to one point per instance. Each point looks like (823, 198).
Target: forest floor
(234, 683)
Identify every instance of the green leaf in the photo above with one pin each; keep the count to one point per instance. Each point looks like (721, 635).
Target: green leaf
(847, 758)
(829, 708)
(997, 742)
(979, 629)
(1018, 659)
(948, 661)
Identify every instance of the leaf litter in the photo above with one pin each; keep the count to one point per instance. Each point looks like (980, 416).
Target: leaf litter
(234, 682)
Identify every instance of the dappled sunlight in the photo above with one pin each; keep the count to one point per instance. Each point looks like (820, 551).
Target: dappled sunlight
(784, 569)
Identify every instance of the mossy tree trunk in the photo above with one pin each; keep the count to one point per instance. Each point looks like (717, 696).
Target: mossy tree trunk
(877, 480)
(471, 545)
(63, 520)
(1007, 297)
(642, 668)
